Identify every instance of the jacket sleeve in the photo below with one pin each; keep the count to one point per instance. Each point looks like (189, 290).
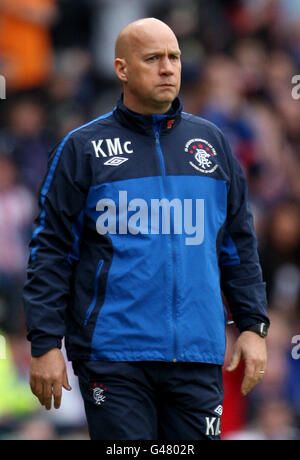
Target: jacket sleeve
(241, 274)
(46, 291)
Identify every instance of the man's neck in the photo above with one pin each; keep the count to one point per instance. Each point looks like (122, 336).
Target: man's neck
(142, 109)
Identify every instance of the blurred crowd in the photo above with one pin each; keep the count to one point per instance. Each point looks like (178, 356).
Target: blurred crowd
(239, 59)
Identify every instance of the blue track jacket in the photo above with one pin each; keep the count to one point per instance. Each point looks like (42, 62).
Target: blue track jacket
(143, 221)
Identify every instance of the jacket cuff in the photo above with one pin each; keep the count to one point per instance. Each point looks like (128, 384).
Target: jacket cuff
(247, 303)
(244, 325)
(41, 345)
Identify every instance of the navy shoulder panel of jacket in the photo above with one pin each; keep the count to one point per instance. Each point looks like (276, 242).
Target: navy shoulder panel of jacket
(143, 219)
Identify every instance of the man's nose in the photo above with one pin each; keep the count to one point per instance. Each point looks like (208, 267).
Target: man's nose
(166, 67)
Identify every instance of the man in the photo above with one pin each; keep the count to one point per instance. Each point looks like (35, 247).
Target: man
(143, 217)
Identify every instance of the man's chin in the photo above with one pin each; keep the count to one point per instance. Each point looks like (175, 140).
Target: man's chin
(166, 96)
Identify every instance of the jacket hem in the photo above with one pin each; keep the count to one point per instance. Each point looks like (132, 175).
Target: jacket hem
(127, 357)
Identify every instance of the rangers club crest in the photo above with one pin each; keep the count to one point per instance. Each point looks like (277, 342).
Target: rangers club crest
(99, 394)
(202, 154)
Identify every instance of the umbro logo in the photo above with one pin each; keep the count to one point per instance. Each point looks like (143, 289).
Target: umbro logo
(116, 161)
(111, 147)
(219, 410)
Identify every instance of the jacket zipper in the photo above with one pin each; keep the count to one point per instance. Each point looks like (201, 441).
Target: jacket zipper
(156, 129)
(96, 284)
(158, 148)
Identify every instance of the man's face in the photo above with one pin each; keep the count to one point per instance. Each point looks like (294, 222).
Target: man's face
(153, 72)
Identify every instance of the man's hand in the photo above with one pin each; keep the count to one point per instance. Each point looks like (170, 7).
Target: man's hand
(48, 375)
(252, 349)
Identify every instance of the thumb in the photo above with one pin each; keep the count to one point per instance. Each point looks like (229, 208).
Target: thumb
(235, 359)
(65, 382)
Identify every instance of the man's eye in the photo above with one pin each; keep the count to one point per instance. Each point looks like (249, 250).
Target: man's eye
(152, 58)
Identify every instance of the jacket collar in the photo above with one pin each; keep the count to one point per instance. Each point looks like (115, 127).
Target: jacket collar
(145, 123)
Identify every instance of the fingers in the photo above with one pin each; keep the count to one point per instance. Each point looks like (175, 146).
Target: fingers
(235, 359)
(252, 349)
(250, 379)
(252, 376)
(66, 382)
(47, 395)
(57, 394)
(48, 375)
(46, 388)
(37, 389)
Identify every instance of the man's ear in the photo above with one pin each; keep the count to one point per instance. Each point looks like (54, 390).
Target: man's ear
(121, 69)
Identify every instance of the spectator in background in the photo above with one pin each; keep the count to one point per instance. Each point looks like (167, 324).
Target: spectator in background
(27, 140)
(251, 57)
(106, 23)
(272, 184)
(72, 91)
(280, 257)
(274, 421)
(16, 212)
(290, 10)
(226, 107)
(25, 46)
(16, 400)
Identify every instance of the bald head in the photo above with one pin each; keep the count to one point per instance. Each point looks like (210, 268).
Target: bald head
(148, 65)
(140, 32)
